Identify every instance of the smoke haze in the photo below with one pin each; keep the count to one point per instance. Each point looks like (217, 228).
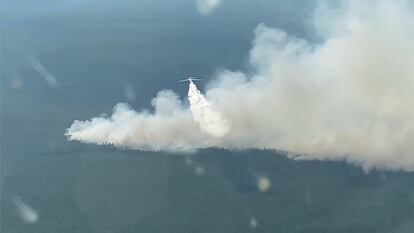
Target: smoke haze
(347, 98)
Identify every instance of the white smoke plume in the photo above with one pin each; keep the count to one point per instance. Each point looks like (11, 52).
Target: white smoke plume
(349, 97)
(209, 118)
(202, 124)
(169, 127)
(206, 7)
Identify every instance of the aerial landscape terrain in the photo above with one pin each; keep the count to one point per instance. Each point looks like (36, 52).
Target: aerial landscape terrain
(207, 116)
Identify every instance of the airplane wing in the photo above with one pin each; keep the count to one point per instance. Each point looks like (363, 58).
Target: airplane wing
(190, 79)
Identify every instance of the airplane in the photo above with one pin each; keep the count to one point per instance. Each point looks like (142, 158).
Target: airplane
(190, 79)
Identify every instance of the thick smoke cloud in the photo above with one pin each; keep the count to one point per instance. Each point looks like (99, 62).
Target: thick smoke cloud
(349, 97)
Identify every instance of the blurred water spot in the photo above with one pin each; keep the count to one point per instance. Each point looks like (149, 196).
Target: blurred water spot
(263, 184)
(308, 198)
(17, 83)
(253, 223)
(189, 161)
(130, 93)
(52, 143)
(42, 71)
(199, 171)
(206, 7)
(26, 213)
